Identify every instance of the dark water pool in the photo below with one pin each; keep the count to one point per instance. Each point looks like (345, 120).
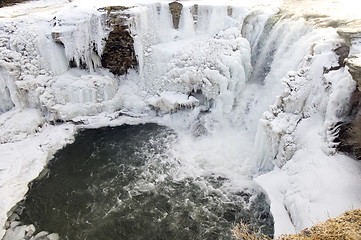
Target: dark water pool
(116, 183)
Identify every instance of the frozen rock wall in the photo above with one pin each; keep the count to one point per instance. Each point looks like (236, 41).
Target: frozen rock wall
(298, 136)
(118, 55)
(348, 138)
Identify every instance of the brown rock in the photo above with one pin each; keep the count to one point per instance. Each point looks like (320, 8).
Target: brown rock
(354, 64)
(176, 11)
(119, 54)
(350, 138)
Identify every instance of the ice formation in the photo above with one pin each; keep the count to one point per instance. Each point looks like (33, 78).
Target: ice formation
(261, 88)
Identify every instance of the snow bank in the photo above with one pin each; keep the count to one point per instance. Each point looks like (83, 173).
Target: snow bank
(22, 161)
(312, 186)
(11, 131)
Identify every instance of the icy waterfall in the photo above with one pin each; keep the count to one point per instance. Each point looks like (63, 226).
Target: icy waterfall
(252, 92)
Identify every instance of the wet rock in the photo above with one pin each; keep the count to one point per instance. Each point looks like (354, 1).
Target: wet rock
(342, 52)
(354, 64)
(53, 236)
(15, 233)
(350, 33)
(41, 236)
(194, 12)
(14, 217)
(57, 37)
(350, 138)
(30, 230)
(7, 225)
(119, 54)
(14, 224)
(229, 11)
(176, 11)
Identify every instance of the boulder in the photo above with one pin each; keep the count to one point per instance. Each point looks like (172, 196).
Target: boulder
(40, 236)
(53, 236)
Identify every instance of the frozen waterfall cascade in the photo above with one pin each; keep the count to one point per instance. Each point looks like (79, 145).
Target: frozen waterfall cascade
(210, 73)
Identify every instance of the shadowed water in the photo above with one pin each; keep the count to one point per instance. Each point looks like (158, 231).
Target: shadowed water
(116, 183)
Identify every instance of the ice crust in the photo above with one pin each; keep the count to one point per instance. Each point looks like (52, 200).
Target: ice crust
(251, 85)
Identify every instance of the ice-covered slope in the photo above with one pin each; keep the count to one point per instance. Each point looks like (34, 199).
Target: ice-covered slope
(261, 89)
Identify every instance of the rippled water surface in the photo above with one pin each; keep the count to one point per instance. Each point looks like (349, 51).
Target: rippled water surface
(117, 183)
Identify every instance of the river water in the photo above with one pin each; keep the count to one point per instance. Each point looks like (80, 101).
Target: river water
(117, 183)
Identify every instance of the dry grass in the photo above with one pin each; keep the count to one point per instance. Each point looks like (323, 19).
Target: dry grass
(344, 227)
(242, 231)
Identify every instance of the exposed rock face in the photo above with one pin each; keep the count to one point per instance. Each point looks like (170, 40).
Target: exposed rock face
(349, 133)
(350, 34)
(354, 64)
(176, 11)
(349, 138)
(342, 52)
(114, 51)
(194, 12)
(229, 11)
(119, 55)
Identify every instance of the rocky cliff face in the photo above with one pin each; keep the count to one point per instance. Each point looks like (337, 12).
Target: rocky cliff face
(115, 49)
(176, 11)
(119, 54)
(350, 132)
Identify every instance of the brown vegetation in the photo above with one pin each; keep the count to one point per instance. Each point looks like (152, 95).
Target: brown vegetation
(344, 227)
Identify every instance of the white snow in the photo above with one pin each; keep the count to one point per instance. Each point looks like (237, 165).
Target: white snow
(312, 186)
(246, 92)
(319, 183)
(275, 183)
(22, 161)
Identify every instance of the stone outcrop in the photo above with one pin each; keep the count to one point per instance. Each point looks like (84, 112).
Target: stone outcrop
(349, 137)
(119, 54)
(15, 230)
(194, 12)
(342, 52)
(354, 64)
(175, 9)
(350, 33)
